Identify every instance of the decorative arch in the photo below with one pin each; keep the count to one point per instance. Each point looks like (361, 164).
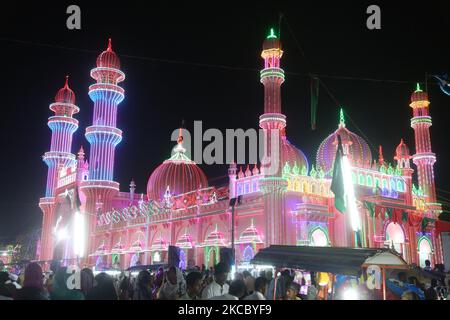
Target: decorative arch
(361, 179)
(400, 186)
(369, 181)
(396, 235)
(323, 232)
(425, 250)
(248, 254)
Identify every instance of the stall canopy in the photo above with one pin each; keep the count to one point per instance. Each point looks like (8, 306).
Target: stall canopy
(336, 260)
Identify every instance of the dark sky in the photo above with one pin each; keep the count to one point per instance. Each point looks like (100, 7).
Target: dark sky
(414, 40)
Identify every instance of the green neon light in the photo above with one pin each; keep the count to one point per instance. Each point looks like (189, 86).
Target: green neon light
(274, 72)
(341, 117)
(418, 88)
(420, 120)
(272, 34)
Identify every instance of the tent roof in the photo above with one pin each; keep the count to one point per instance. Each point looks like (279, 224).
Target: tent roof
(337, 260)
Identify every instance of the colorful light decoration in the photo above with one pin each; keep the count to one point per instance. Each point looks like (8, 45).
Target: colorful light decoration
(103, 134)
(350, 194)
(79, 234)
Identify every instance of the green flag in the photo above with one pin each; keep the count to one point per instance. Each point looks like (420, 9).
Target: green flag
(337, 184)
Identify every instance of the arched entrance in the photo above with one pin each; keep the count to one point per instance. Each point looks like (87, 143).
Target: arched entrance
(395, 237)
(425, 251)
(212, 256)
(318, 238)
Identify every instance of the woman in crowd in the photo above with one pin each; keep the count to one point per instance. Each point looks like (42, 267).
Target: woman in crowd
(103, 288)
(33, 284)
(144, 285)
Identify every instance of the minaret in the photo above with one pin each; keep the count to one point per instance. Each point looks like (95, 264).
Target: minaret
(273, 122)
(403, 158)
(424, 158)
(103, 135)
(62, 125)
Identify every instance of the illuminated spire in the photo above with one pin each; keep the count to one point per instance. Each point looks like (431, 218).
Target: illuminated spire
(81, 153)
(380, 155)
(341, 118)
(418, 88)
(272, 34)
(109, 45)
(66, 85)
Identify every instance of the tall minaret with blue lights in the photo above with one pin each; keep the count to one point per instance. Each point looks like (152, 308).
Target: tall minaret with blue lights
(103, 135)
(63, 126)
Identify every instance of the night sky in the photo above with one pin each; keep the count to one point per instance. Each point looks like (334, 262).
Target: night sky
(161, 48)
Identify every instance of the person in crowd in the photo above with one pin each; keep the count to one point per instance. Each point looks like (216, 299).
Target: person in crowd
(87, 281)
(281, 285)
(33, 284)
(174, 285)
(431, 293)
(410, 295)
(235, 292)
(249, 282)
(144, 285)
(193, 286)
(292, 291)
(427, 265)
(5, 288)
(269, 275)
(124, 289)
(313, 289)
(49, 283)
(103, 288)
(60, 290)
(159, 279)
(260, 290)
(238, 276)
(218, 286)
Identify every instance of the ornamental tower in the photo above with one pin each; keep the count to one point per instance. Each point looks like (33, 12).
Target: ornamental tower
(62, 125)
(273, 123)
(103, 135)
(424, 158)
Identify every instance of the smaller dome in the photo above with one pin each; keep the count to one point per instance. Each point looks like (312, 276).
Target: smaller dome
(108, 58)
(215, 238)
(419, 95)
(65, 94)
(402, 151)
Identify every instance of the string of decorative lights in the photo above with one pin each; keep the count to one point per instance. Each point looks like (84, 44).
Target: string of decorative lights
(208, 65)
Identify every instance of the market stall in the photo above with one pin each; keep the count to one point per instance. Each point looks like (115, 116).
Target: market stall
(335, 260)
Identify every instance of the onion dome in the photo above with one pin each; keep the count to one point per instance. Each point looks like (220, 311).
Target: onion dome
(402, 151)
(184, 241)
(215, 238)
(159, 244)
(418, 96)
(272, 41)
(292, 155)
(65, 94)
(250, 235)
(108, 58)
(354, 146)
(179, 173)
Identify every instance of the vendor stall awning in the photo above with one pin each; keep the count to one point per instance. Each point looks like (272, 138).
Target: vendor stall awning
(335, 260)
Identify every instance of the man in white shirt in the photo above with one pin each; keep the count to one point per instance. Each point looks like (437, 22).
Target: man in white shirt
(218, 287)
(236, 292)
(260, 290)
(193, 286)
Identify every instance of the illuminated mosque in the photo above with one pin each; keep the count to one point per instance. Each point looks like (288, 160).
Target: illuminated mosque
(87, 216)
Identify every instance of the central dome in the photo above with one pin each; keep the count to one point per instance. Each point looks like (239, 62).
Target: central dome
(357, 149)
(179, 173)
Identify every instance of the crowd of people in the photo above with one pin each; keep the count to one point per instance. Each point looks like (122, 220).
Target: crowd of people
(175, 284)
